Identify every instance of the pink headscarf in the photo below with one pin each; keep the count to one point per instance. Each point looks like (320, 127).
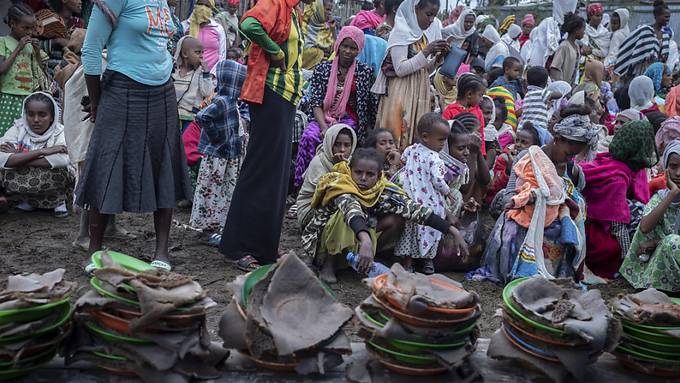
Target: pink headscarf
(595, 8)
(529, 20)
(333, 111)
(367, 20)
(669, 131)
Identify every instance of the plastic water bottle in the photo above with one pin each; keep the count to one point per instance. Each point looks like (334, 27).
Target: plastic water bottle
(377, 268)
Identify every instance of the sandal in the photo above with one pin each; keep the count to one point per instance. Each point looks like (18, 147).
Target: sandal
(90, 268)
(161, 265)
(428, 267)
(292, 212)
(247, 263)
(214, 240)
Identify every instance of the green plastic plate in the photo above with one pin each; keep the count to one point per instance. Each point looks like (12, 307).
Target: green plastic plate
(115, 338)
(18, 372)
(648, 336)
(52, 350)
(654, 352)
(466, 329)
(128, 262)
(64, 316)
(30, 314)
(507, 300)
(110, 356)
(407, 358)
(627, 350)
(97, 285)
(649, 327)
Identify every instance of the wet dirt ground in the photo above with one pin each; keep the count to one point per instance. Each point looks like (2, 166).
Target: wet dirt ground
(39, 242)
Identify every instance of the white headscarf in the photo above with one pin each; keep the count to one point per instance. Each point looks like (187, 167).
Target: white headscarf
(600, 37)
(641, 93)
(406, 29)
(563, 88)
(490, 33)
(457, 30)
(618, 36)
(624, 17)
(498, 50)
(561, 8)
(511, 37)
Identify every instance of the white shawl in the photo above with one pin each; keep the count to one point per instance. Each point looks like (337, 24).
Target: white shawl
(618, 36)
(457, 31)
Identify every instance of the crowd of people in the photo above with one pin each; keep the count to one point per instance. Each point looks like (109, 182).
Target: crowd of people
(456, 143)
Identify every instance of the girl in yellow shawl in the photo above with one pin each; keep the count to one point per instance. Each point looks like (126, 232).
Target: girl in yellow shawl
(347, 203)
(319, 29)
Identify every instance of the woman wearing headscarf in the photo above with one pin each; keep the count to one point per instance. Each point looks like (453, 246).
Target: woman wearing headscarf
(662, 79)
(642, 97)
(135, 160)
(319, 28)
(620, 30)
(593, 75)
(209, 32)
(645, 45)
(339, 92)
(228, 19)
(273, 89)
(529, 237)
(368, 21)
(597, 35)
(498, 50)
(505, 25)
(511, 37)
(461, 29)
(383, 30)
(615, 183)
(528, 24)
(653, 259)
(669, 131)
(545, 39)
(414, 49)
(321, 164)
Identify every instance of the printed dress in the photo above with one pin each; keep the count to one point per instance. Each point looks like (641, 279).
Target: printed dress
(662, 271)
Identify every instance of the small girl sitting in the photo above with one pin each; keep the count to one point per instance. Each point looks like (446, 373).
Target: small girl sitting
(338, 145)
(470, 91)
(193, 82)
(382, 140)
(352, 205)
(423, 178)
(33, 159)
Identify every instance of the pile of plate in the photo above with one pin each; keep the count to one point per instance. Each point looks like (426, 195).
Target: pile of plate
(35, 317)
(651, 333)
(142, 322)
(415, 324)
(283, 318)
(553, 327)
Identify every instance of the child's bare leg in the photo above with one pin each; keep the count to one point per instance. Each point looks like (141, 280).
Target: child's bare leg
(162, 218)
(97, 225)
(83, 240)
(327, 273)
(407, 263)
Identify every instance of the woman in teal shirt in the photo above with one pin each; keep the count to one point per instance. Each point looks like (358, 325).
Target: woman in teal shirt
(135, 161)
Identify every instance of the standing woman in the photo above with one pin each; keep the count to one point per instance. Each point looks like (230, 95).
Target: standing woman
(135, 161)
(209, 32)
(528, 24)
(597, 35)
(273, 88)
(414, 49)
(645, 45)
(620, 30)
(462, 29)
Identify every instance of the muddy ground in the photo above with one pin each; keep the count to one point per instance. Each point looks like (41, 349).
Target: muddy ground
(39, 242)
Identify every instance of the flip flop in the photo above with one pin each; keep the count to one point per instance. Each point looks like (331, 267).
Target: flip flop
(292, 212)
(214, 240)
(247, 263)
(90, 268)
(161, 265)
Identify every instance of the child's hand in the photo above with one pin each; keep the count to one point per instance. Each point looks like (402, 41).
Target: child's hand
(471, 206)
(59, 149)
(7, 148)
(674, 189)
(459, 245)
(475, 142)
(394, 158)
(338, 157)
(23, 42)
(365, 254)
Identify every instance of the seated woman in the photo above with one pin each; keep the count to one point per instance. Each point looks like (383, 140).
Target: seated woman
(338, 145)
(653, 257)
(669, 131)
(615, 182)
(319, 28)
(33, 160)
(641, 93)
(353, 206)
(339, 92)
(537, 233)
(662, 78)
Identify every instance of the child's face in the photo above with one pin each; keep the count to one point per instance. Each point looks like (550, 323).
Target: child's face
(666, 79)
(515, 72)
(487, 111)
(384, 143)
(673, 169)
(615, 22)
(232, 8)
(524, 140)
(474, 98)
(192, 53)
(579, 33)
(39, 116)
(365, 173)
(595, 20)
(23, 27)
(449, 82)
(460, 147)
(73, 5)
(343, 145)
(436, 138)
(620, 120)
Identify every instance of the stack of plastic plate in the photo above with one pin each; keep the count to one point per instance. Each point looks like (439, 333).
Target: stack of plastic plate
(33, 334)
(110, 324)
(535, 338)
(650, 349)
(421, 338)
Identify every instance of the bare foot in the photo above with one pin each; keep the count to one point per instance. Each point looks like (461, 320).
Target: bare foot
(82, 243)
(115, 230)
(327, 273)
